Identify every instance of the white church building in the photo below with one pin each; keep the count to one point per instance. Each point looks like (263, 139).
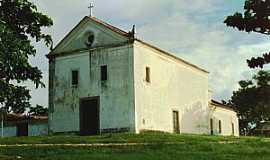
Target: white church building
(103, 79)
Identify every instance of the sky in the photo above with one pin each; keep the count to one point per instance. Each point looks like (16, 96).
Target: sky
(193, 30)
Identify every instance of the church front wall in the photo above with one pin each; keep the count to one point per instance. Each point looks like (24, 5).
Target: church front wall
(226, 118)
(173, 86)
(116, 94)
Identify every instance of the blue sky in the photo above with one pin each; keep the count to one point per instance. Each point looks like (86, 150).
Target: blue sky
(192, 30)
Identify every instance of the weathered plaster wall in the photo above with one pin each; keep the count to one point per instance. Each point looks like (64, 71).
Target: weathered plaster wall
(38, 129)
(34, 129)
(9, 131)
(116, 94)
(227, 117)
(174, 86)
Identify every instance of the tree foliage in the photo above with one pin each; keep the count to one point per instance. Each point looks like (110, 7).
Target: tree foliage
(252, 101)
(38, 111)
(20, 22)
(254, 19)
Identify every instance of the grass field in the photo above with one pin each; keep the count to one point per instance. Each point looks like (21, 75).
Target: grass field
(157, 146)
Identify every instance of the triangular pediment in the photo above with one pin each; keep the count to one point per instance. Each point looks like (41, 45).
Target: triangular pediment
(90, 33)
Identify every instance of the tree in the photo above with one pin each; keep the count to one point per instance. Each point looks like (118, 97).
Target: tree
(38, 111)
(20, 22)
(254, 19)
(252, 101)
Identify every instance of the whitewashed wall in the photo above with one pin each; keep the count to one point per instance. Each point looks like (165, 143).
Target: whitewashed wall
(227, 117)
(38, 129)
(116, 95)
(9, 131)
(34, 129)
(174, 86)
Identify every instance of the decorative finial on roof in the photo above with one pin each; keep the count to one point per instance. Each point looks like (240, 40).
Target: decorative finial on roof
(132, 32)
(91, 9)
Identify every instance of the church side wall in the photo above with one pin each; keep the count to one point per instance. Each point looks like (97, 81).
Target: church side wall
(116, 94)
(174, 86)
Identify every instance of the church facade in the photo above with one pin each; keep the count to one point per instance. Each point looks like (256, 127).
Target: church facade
(102, 79)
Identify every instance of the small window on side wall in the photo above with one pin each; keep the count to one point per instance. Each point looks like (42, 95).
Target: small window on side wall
(75, 78)
(103, 73)
(233, 129)
(219, 127)
(147, 74)
(211, 126)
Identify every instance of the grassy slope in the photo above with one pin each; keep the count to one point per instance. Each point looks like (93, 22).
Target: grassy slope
(191, 147)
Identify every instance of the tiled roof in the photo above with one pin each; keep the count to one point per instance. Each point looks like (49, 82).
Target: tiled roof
(22, 117)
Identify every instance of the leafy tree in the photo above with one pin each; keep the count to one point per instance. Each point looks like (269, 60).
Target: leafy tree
(252, 101)
(20, 22)
(254, 19)
(38, 111)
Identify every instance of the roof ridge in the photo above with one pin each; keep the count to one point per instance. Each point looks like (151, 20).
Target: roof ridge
(113, 28)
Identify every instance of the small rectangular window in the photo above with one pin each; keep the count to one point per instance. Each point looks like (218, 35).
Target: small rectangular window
(75, 78)
(176, 125)
(211, 126)
(233, 129)
(147, 76)
(103, 73)
(219, 126)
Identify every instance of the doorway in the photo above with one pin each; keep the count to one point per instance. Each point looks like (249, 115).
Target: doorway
(176, 126)
(22, 129)
(89, 116)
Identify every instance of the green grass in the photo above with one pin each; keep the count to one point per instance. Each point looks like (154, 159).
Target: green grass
(184, 147)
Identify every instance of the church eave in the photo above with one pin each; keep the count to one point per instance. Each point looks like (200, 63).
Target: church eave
(66, 53)
(113, 28)
(220, 105)
(53, 50)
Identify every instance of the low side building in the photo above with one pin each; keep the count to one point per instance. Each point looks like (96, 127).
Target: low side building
(263, 129)
(22, 125)
(223, 120)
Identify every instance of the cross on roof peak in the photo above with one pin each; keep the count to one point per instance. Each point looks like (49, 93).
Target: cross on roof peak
(91, 9)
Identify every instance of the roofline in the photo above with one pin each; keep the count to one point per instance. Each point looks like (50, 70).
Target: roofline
(11, 117)
(111, 27)
(173, 56)
(130, 36)
(51, 52)
(220, 105)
